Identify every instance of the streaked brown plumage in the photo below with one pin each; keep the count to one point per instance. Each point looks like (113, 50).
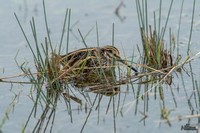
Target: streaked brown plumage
(93, 57)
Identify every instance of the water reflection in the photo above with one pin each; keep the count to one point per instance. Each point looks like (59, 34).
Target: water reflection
(106, 85)
(114, 93)
(25, 9)
(49, 105)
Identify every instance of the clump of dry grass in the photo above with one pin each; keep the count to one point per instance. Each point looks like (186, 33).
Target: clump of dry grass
(157, 57)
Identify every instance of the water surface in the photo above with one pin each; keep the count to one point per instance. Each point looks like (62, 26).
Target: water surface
(127, 36)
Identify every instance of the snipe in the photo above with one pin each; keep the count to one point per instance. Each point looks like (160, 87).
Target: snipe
(95, 57)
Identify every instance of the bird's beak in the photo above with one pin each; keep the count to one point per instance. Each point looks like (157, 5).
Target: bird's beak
(125, 63)
(118, 58)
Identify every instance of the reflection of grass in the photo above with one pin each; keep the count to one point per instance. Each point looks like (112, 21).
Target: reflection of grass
(9, 110)
(157, 64)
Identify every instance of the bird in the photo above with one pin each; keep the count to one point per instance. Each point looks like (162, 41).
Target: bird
(93, 57)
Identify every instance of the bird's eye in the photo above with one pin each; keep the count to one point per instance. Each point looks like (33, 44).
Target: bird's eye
(111, 51)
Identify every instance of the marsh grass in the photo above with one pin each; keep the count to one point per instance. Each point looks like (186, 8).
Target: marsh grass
(55, 78)
(156, 55)
(157, 59)
(47, 69)
(161, 61)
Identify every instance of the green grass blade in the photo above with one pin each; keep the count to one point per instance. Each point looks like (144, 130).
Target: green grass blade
(179, 25)
(47, 27)
(191, 28)
(97, 32)
(63, 31)
(68, 29)
(34, 56)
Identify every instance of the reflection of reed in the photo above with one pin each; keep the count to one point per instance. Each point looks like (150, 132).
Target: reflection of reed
(98, 83)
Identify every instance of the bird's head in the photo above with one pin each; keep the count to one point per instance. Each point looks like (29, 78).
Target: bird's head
(111, 51)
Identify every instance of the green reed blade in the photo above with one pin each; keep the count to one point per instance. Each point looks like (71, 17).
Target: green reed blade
(114, 115)
(191, 27)
(83, 40)
(46, 25)
(97, 32)
(39, 56)
(26, 37)
(139, 12)
(63, 31)
(113, 59)
(166, 22)
(68, 29)
(89, 113)
(159, 21)
(179, 27)
(146, 16)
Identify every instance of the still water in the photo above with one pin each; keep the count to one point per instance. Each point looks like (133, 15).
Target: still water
(84, 16)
